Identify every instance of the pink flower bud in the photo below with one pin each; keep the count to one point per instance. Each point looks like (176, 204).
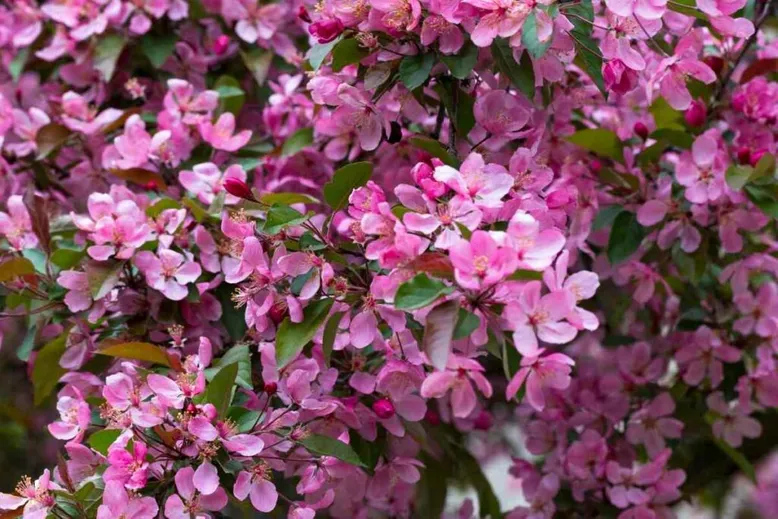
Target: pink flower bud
(596, 165)
(326, 30)
(221, 45)
(483, 422)
(383, 408)
(271, 388)
(302, 14)
(641, 130)
(755, 156)
(432, 417)
(239, 188)
(744, 155)
(696, 114)
(618, 77)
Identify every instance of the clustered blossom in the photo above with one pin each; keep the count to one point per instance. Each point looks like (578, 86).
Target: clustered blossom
(325, 258)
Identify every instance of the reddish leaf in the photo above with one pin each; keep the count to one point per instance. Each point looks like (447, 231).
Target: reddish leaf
(759, 68)
(140, 176)
(435, 263)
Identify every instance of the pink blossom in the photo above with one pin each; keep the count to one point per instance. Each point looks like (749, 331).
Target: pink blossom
(532, 317)
(502, 18)
(117, 503)
(480, 262)
(16, 224)
(500, 113)
(357, 112)
(80, 117)
(221, 135)
(702, 171)
(36, 498)
(128, 467)
(704, 356)
(458, 378)
(484, 184)
(540, 373)
(206, 181)
(653, 423)
(256, 485)
(733, 422)
(192, 498)
(74, 415)
(168, 271)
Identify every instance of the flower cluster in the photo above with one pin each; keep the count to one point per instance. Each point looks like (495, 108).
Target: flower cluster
(333, 259)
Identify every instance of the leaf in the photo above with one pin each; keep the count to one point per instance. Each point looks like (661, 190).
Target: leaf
(234, 319)
(665, 116)
(625, 238)
(67, 258)
(107, 52)
(738, 176)
(163, 204)
(521, 75)
(37, 207)
(459, 104)
(330, 333)
(326, 446)
(292, 337)
(759, 68)
(688, 8)
(158, 47)
(319, 52)
(526, 275)
(415, 70)
(488, 504)
(467, 323)
(439, 333)
(102, 277)
(435, 263)
(347, 52)
(606, 216)
(240, 355)
(298, 141)
(46, 370)
(763, 199)
(419, 291)
(14, 268)
(231, 95)
(620, 180)
(103, 439)
(140, 176)
(288, 198)
(678, 138)
(49, 138)
(529, 37)
(142, 351)
(16, 67)
(764, 167)
(219, 392)
(435, 149)
(280, 216)
(461, 64)
(600, 141)
(344, 181)
(258, 62)
(587, 57)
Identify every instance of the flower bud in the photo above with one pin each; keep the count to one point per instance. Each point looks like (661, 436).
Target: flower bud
(716, 63)
(383, 408)
(641, 130)
(271, 388)
(483, 422)
(239, 188)
(618, 77)
(744, 155)
(221, 45)
(326, 30)
(302, 14)
(696, 114)
(596, 166)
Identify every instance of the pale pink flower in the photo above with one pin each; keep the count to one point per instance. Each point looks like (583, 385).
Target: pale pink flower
(702, 171)
(26, 126)
(672, 76)
(448, 35)
(398, 15)
(129, 468)
(256, 485)
(207, 181)
(74, 415)
(484, 184)
(168, 271)
(502, 18)
(533, 317)
(460, 375)
(36, 498)
(16, 224)
(581, 285)
(80, 117)
(480, 262)
(360, 114)
(540, 373)
(117, 503)
(196, 495)
(500, 113)
(536, 248)
(221, 135)
(182, 103)
(648, 9)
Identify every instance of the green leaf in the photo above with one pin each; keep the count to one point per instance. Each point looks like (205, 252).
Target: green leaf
(688, 8)
(665, 116)
(344, 181)
(67, 258)
(330, 333)
(420, 291)
(529, 37)
(765, 167)
(606, 216)
(738, 176)
(16, 67)
(107, 53)
(102, 277)
(239, 355)
(581, 15)
(231, 95)
(439, 333)
(626, 236)
(526, 275)
(288, 199)
(467, 323)
(15, 268)
(163, 204)
(142, 351)
(46, 370)
(326, 446)
(219, 392)
(459, 104)
(488, 504)
(347, 52)
(103, 439)
(158, 47)
(292, 337)
(521, 75)
(319, 52)
(461, 64)
(49, 138)
(298, 141)
(415, 70)
(280, 216)
(600, 141)
(435, 149)
(258, 62)
(678, 138)
(234, 319)
(764, 199)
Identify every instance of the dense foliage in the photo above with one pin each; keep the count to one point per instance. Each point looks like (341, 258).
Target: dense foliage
(332, 259)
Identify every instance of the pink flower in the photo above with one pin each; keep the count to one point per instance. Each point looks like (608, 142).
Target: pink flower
(618, 77)
(225, 433)
(500, 113)
(256, 485)
(398, 15)
(648, 9)
(16, 225)
(458, 378)
(326, 30)
(358, 113)
(130, 468)
(480, 262)
(222, 135)
(206, 181)
(484, 184)
(703, 356)
(733, 422)
(168, 271)
(117, 503)
(26, 126)
(449, 36)
(196, 495)
(702, 171)
(673, 73)
(536, 249)
(255, 21)
(74, 415)
(502, 18)
(36, 498)
(541, 373)
(428, 216)
(533, 317)
(80, 117)
(653, 423)
(181, 102)
(581, 285)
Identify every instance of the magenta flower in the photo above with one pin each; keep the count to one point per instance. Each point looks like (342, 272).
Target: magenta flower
(16, 225)
(702, 171)
(256, 485)
(484, 184)
(129, 468)
(653, 423)
(117, 503)
(733, 422)
(196, 495)
(358, 113)
(540, 374)
(458, 378)
(206, 181)
(500, 113)
(222, 135)
(704, 357)
(80, 117)
(168, 271)
(480, 262)
(532, 317)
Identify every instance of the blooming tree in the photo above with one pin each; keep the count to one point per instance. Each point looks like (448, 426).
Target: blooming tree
(330, 260)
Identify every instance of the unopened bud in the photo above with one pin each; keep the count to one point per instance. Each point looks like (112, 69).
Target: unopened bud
(383, 408)
(239, 188)
(641, 130)
(221, 45)
(696, 114)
